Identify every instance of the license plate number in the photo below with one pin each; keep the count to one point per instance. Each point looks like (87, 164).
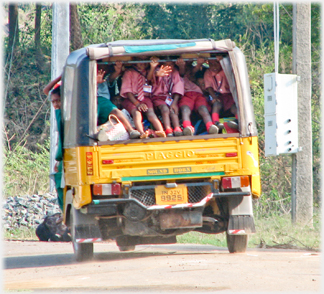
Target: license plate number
(165, 196)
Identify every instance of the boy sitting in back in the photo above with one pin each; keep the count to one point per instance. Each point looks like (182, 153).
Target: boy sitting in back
(193, 99)
(167, 90)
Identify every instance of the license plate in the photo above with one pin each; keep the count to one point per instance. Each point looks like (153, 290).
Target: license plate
(170, 196)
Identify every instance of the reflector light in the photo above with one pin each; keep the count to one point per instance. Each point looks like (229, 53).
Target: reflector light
(235, 182)
(89, 163)
(233, 154)
(107, 161)
(106, 189)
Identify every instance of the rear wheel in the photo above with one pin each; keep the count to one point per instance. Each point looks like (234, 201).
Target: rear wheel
(82, 251)
(236, 243)
(127, 248)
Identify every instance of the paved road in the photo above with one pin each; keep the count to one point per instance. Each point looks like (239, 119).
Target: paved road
(50, 267)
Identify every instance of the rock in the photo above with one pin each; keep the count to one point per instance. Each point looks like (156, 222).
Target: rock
(28, 211)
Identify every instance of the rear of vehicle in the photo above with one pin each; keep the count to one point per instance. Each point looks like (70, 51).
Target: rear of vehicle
(149, 191)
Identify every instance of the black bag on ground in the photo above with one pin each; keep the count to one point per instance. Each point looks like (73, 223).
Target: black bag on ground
(53, 229)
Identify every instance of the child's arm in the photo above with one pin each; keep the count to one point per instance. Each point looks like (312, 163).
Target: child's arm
(153, 64)
(182, 66)
(51, 84)
(200, 62)
(213, 94)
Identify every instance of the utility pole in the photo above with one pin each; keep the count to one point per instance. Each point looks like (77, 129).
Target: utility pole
(60, 51)
(302, 162)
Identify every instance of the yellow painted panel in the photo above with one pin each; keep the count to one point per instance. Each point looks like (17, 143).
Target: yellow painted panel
(82, 196)
(250, 162)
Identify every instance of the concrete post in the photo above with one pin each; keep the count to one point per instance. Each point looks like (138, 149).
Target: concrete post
(302, 166)
(60, 51)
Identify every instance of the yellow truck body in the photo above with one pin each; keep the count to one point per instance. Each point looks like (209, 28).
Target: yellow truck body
(148, 191)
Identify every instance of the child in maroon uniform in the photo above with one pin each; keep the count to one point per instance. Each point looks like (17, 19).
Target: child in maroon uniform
(193, 98)
(218, 88)
(167, 91)
(136, 90)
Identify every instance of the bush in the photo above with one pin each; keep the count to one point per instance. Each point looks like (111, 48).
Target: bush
(26, 172)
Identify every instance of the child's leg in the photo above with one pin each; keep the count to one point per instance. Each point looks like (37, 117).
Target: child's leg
(137, 118)
(188, 129)
(234, 110)
(185, 111)
(176, 124)
(151, 116)
(133, 133)
(217, 106)
(211, 128)
(165, 112)
(234, 123)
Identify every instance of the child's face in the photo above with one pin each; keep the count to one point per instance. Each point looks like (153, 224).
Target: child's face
(201, 84)
(141, 66)
(169, 63)
(215, 65)
(56, 101)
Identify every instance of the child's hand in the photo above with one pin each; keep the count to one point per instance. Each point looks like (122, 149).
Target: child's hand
(216, 100)
(180, 62)
(174, 108)
(100, 76)
(142, 107)
(154, 62)
(164, 71)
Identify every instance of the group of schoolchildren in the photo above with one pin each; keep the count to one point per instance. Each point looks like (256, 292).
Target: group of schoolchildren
(159, 91)
(166, 91)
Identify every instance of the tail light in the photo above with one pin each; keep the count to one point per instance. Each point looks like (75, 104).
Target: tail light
(106, 189)
(235, 182)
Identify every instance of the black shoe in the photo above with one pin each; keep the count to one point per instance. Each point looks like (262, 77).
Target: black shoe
(233, 124)
(219, 125)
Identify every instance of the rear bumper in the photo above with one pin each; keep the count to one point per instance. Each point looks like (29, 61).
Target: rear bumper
(109, 206)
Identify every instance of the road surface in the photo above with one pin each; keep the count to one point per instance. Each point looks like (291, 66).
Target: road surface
(50, 266)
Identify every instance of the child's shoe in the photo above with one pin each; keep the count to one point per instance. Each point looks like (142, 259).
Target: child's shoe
(144, 135)
(177, 132)
(134, 134)
(169, 132)
(160, 134)
(233, 124)
(188, 131)
(213, 129)
(219, 125)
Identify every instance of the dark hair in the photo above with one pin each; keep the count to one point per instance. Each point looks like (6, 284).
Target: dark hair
(199, 74)
(57, 90)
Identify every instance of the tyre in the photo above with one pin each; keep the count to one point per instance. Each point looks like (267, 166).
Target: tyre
(82, 251)
(127, 248)
(236, 243)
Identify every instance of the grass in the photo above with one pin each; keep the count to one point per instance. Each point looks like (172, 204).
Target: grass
(271, 232)
(20, 234)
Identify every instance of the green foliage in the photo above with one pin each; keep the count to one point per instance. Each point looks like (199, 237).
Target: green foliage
(20, 234)
(26, 172)
(102, 23)
(250, 25)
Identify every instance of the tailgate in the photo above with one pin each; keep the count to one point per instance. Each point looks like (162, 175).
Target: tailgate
(162, 160)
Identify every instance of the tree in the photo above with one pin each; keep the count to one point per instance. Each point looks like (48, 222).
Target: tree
(38, 49)
(13, 26)
(75, 28)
